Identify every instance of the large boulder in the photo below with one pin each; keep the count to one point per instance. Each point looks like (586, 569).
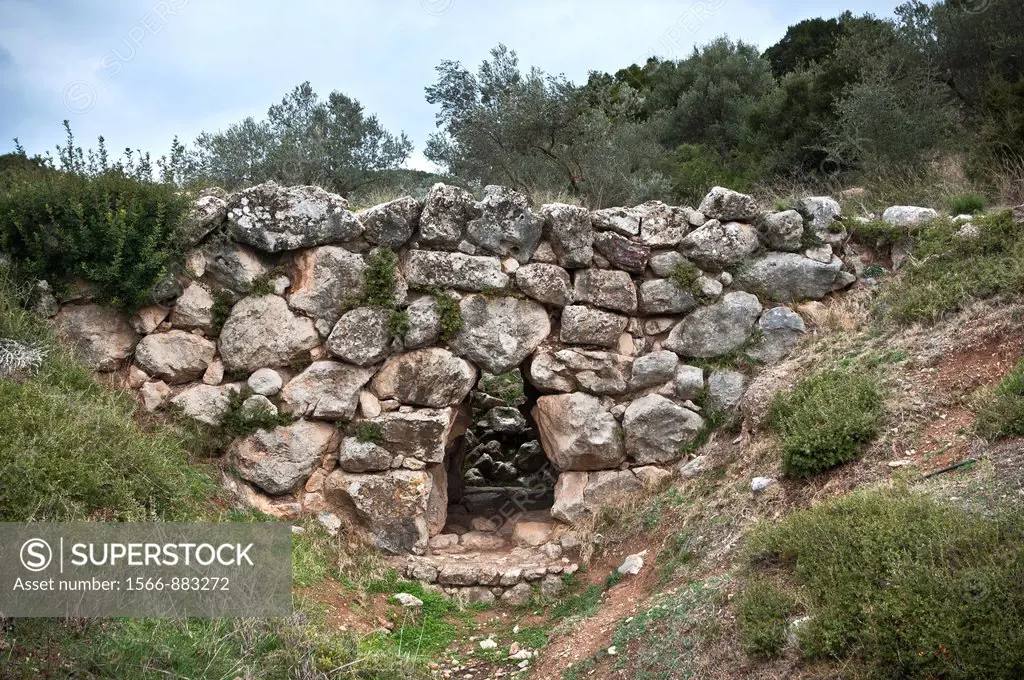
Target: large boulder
(665, 262)
(176, 356)
(262, 332)
(578, 433)
(205, 215)
(583, 325)
(717, 246)
(424, 323)
(716, 330)
(727, 205)
(361, 336)
(357, 456)
(326, 390)
(726, 388)
(823, 216)
(656, 368)
(422, 434)
(194, 309)
(908, 215)
(499, 333)
(453, 270)
(446, 212)
(273, 218)
(427, 377)
(546, 283)
(789, 276)
(606, 486)
(279, 460)
(230, 266)
(507, 225)
(621, 252)
(389, 506)
(205, 403)
(609, 289)
(625, 221)
(569, 230)
(102, 337)
(570, 505)
(657, 428)
(664, 296)
(323, 278)
(662, 226)
(571, 370)
(783, 230)
(781, 329)
(390, 224)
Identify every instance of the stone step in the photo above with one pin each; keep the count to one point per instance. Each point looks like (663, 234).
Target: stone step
(510, 575)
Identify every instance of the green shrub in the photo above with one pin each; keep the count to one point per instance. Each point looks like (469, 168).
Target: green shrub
(949, 272)
(508, 386)
(221, 310)
(240, 422)
(763, 610)
(117, 232)
(301, 645)
(72, 450)
(824, 420)
(367, 432)
(380, 278)
(685, 274)
(398, 323)
(451, 316)
(1001, 413)
(899, 585)
(966, 204)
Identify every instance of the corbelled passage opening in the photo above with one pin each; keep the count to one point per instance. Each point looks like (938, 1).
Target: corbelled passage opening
(497, 472)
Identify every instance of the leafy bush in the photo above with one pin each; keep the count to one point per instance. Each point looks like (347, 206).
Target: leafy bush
(1001, 413)
(367, 432)
(824, 420)
(380, 279)
(904, 586)
(398, 323)
(451, 315)
(119, 233)
(72, 450)
(685, 274)
(239, 421)
(508, 386)
(966, 204)
(763, 609)
(949, 272)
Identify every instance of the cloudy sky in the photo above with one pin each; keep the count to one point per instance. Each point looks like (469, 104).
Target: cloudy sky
(140, 71)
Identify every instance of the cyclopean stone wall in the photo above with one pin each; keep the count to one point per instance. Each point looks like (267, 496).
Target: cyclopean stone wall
(583, 302)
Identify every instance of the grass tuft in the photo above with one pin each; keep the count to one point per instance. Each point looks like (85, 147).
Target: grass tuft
(966, 204)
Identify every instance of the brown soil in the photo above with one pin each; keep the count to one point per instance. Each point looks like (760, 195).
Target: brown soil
(348, 610)
(594, 633)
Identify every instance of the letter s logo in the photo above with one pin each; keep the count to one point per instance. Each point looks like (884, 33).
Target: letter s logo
(36, 554)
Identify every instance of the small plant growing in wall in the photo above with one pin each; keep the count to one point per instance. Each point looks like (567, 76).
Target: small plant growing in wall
(221, 310)
(685, 274)
(239, 421)
(398, 323)
(380, 278)
(450, 314)
(368, 432)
